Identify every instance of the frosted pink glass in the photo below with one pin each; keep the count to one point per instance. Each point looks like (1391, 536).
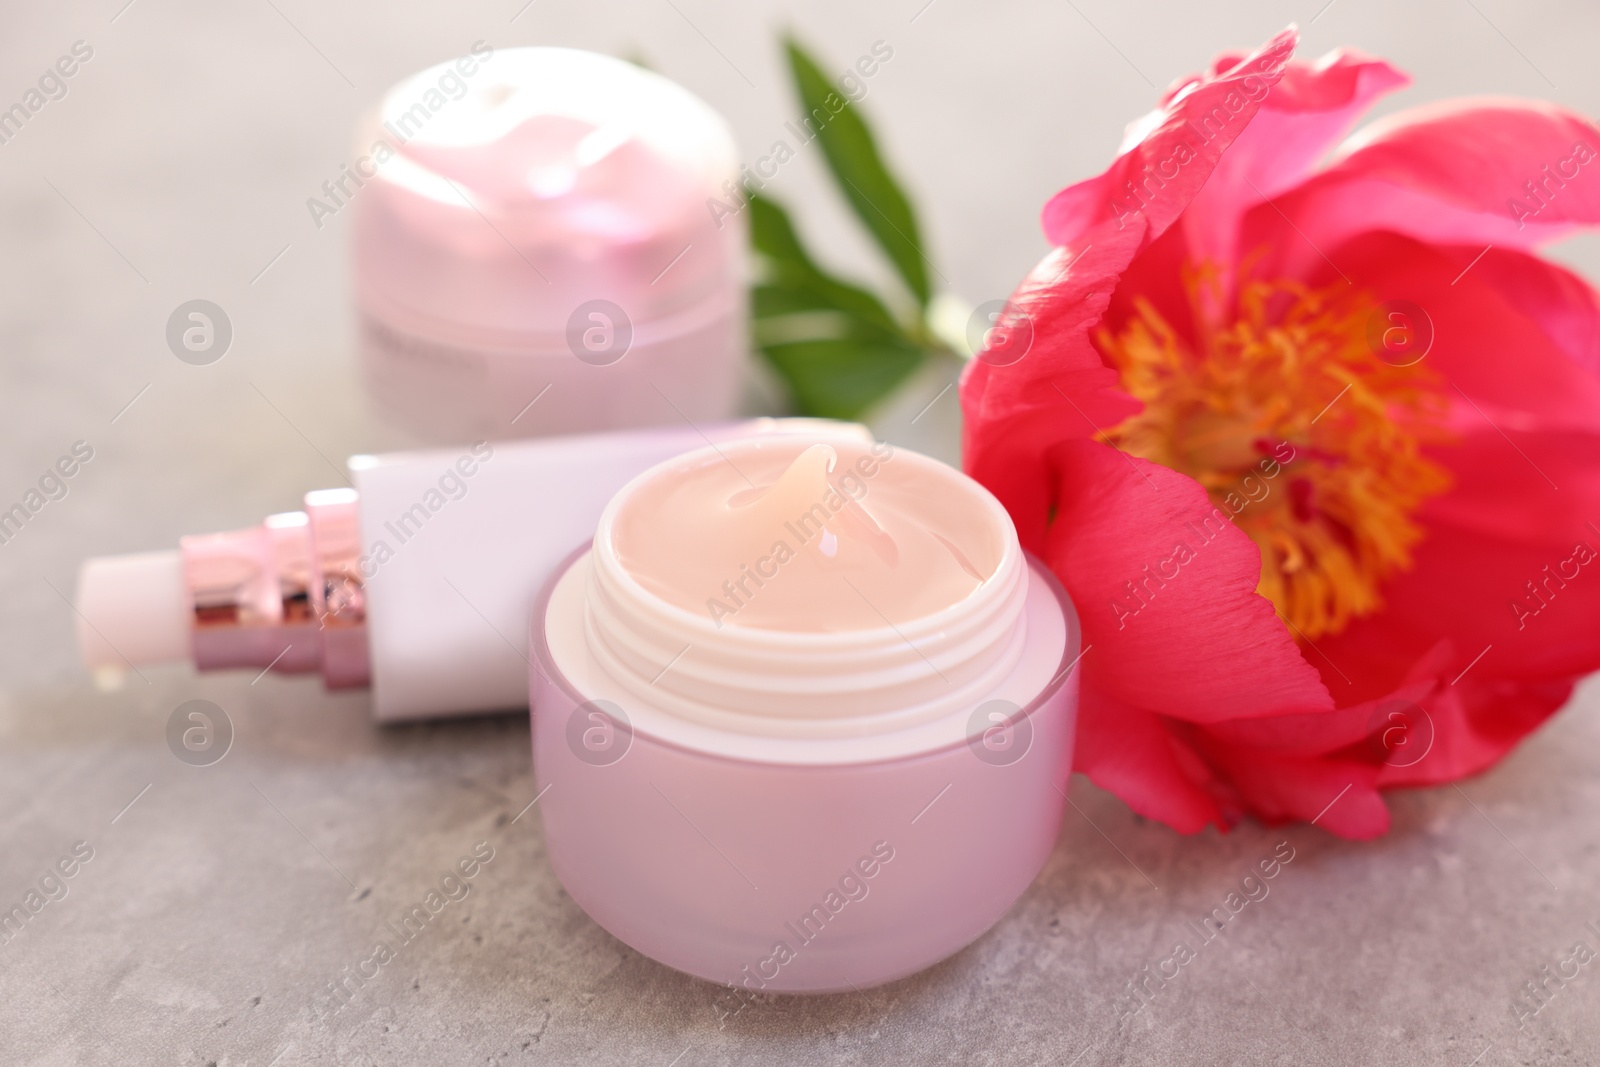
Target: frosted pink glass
(706, 863)
(559, 185)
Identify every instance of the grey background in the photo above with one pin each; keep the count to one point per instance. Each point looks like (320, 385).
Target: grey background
(220, 904)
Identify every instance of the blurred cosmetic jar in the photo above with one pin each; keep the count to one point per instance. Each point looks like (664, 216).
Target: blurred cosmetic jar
(534, 252)
(802, 714)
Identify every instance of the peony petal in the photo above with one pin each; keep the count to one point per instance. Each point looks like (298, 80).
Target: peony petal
(1474, 725)
(1304, 116)
(1465, 587)
(1130, 752)
(1156, 277)
(1531, 488)
(1456, 172)
(1060, 389)
(1151, 183)
(1319, 733)
(1518, 369)
(1487, 343)
(1013, 415)
(1563, 305)
(1462, 728)
(1340, 796)
(1169, 635)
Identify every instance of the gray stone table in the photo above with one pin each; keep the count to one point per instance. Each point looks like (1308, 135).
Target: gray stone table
(220, 902)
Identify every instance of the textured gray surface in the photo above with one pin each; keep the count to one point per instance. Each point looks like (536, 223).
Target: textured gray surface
(218, 907)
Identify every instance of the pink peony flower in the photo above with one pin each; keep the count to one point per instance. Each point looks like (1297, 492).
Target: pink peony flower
(1312, 436)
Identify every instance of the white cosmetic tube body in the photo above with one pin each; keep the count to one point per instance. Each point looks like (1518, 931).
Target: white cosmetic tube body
(418, 583)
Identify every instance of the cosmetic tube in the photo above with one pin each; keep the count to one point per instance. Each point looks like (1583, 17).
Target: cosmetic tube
(416, 581)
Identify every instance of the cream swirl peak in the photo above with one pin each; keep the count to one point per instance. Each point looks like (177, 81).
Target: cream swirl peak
(809, 537)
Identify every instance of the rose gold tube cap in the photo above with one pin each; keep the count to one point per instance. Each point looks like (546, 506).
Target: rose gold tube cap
(285, 595)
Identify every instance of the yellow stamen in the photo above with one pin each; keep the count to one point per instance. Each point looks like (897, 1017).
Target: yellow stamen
(1296, 428)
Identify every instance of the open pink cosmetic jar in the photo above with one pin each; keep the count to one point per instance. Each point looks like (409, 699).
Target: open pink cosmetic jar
(802, 714)
(533, 251)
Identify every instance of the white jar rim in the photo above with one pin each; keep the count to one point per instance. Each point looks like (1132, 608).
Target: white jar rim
(1050, 646)
(859, 682)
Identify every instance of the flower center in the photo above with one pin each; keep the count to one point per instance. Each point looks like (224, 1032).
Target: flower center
(1296, 429)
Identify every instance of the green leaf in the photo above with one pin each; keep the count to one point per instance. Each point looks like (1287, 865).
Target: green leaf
(834, 344)
(841, 378)
(859, 170)
(784, 261)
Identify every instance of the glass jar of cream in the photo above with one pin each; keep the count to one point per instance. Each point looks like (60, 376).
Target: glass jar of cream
(534, 251)
(802, 714)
